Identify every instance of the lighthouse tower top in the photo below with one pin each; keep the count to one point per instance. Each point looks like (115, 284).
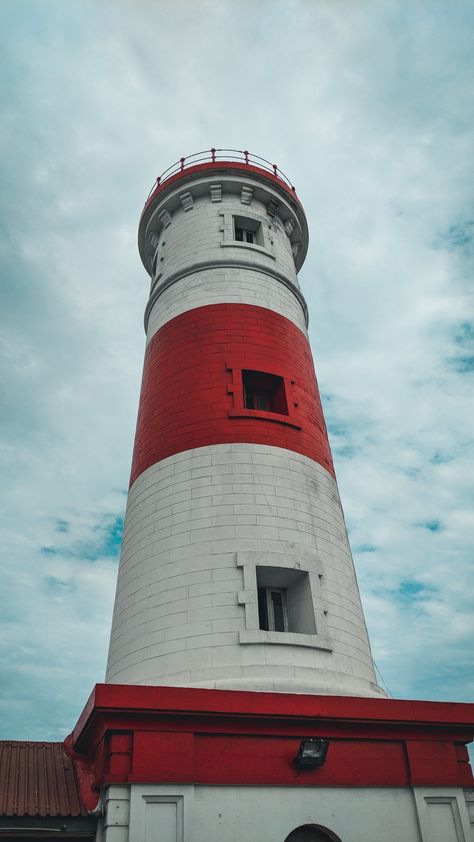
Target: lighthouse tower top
(264, 181)
(271, 185)
(236, 571)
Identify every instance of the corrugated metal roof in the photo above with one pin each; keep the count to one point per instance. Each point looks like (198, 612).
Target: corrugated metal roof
(37, 779)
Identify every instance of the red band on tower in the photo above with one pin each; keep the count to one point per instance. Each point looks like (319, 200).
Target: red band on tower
(194, 386)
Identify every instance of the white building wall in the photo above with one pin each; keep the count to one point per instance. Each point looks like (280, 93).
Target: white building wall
(225, 285)
(206, 232)
(197, 525)
(190, 243)
(174, 813)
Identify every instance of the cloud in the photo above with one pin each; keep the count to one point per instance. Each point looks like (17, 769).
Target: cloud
(369, 110)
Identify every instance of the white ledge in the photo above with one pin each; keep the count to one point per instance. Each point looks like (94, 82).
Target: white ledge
(251, 246)
(315, 641)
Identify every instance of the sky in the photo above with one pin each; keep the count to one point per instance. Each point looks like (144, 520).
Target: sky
(367, 106)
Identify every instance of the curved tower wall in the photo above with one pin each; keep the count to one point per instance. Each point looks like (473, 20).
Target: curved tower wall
(236, 570)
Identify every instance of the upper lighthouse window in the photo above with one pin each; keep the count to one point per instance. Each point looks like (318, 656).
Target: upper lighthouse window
(248, 231)
(243, 236)
(264, 392)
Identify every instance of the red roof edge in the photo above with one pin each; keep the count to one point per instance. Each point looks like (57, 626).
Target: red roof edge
(222, 164)
(154, 699)
(84, 772)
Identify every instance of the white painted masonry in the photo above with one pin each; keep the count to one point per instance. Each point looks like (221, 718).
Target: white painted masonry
(202, 523)
(174, 813)
(225, 285)
(186, 235)
(191, 253)
(194, 522)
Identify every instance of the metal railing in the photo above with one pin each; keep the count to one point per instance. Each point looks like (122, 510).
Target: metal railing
(213, 156)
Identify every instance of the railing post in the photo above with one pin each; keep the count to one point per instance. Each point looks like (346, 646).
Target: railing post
(246, 154)
(158, 181)
(213, 155)
(275, 169)
(182, 160)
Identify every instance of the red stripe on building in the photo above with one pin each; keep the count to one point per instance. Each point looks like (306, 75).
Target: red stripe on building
(188, 735)
(192, 393)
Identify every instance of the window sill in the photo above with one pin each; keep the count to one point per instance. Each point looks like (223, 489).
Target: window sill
(252, 246)
(263, 416)
(314, 641)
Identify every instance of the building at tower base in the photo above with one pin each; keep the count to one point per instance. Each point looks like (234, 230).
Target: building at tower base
(190, 765)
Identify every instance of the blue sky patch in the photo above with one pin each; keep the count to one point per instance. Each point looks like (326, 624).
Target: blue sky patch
(433, 525)
(112, 540)
(459, 236)
(464, 364)
(62, 585)
(440, 458)
(106, 540)
(49, 551)
(410, 590)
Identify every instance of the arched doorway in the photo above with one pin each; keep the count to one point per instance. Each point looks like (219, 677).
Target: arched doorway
(312, 833)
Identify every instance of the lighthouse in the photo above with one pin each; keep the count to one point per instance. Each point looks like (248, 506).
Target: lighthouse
(236, 570)
(240, 699)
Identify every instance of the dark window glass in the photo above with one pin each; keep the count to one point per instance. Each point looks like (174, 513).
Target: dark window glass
(277, 605)
(262, 609)
(265, 392)
(242, 235)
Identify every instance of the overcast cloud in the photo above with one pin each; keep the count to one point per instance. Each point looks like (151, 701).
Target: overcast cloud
(368, 108)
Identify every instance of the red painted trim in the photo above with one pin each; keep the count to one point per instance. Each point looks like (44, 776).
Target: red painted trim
(274, 417)
(131, 697)
(190, 388)
(221, 165)
(85, 781)
(170, 734)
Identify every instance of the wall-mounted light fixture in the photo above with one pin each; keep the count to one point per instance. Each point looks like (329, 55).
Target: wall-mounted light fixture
(312, 752)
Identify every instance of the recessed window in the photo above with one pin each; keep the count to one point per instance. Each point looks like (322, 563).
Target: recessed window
(285, 602)
(248, 231)
(264, 392)
(243, 236)
(272, 614)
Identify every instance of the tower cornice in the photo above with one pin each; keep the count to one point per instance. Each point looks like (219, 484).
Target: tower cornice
(168, 193)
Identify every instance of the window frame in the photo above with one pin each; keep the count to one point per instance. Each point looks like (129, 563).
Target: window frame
(248, 561)
(270, 610)
(253, 223)
(248, 225)
(274, 392)
(245, 234)
(236, 388)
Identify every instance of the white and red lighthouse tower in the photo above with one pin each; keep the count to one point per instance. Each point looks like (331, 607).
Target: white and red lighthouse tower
(240, 699)
(236, 570)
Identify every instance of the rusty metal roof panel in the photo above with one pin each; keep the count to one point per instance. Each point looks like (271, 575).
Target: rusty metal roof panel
(37, 779)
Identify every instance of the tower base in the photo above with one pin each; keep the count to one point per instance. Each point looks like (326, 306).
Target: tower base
(194, 765)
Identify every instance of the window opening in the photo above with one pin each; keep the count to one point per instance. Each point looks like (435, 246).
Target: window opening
(272, 609)
(265, 392)
(285, 602)
(243, 236)
(248, 230)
